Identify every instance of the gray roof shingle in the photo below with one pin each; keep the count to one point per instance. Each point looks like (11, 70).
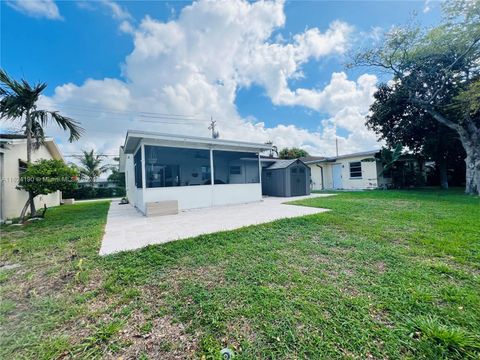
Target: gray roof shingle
(281, 164)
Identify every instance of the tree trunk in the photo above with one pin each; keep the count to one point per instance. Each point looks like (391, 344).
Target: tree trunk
(472, 161)
(29, 159)
(24, 210)
(470, 138)
(442, 169)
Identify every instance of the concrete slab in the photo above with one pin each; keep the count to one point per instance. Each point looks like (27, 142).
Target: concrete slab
(128, 229)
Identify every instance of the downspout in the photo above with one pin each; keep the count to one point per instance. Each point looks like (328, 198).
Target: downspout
(259, 169)
(321, 175)
(144, 163)
(212, 178)
(144, 180)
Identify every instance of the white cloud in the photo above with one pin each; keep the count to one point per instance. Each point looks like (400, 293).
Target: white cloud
(37, 8)
(115, 10)
(426, 6)
(118, 12)
(195, 65)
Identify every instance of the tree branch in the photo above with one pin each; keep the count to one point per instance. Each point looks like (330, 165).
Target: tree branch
(435, 114)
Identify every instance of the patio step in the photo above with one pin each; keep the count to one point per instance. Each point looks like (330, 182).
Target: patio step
(159, 208)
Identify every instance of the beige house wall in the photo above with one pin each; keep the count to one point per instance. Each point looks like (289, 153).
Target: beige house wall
(316, 177)
(369, 179)
(12, 200)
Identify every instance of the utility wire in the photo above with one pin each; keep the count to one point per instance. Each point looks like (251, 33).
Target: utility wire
(138, 113)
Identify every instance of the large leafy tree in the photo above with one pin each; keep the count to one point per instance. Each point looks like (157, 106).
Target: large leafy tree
(396, 121)
(18, 102)
(91, 166)
(45, 177)
(436, 73)
(292, 153)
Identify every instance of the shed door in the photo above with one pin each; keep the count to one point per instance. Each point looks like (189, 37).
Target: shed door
(337, 176)
(298, 181)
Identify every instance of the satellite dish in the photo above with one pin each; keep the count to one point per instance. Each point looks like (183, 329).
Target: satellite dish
(216, 134)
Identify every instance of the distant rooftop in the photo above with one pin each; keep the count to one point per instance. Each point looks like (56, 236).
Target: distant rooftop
(12, 136)
(318, 159)
(310, 158)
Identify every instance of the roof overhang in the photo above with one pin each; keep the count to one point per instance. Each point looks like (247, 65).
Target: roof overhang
(54, 150)
(48, 142)
(346, 156)
(134, 138)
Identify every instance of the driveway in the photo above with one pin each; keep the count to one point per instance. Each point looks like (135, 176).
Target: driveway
(128, 229)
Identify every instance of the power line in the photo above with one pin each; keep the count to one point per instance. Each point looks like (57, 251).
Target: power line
(138, 113)
(155, 120)
(159, 119)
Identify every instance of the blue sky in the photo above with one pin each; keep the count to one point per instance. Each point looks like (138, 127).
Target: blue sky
(72, 41)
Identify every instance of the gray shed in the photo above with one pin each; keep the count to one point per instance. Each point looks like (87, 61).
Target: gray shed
(285, 178)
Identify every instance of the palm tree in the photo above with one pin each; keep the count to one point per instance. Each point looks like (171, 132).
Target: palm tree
(18, 102)
(91, 166)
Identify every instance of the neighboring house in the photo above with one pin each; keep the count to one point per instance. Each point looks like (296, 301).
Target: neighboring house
(195, 171)
(285, 177)
(350, 172)
(13, 160)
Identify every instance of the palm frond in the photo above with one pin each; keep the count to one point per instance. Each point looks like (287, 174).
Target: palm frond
(66, 123)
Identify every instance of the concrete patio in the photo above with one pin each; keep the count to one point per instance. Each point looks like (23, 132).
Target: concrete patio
(128, 229)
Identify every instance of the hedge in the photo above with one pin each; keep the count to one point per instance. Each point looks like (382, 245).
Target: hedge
(94, 193)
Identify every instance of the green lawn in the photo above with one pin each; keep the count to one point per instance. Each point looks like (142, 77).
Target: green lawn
(393, 274)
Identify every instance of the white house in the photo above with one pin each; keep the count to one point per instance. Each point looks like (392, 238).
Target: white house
(194, 171)
(349, 172)
(13, 160)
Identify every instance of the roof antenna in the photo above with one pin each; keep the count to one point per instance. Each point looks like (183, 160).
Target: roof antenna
(213, 123)
(336, 144)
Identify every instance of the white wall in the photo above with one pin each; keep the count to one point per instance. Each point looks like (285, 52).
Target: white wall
(130, 178)
(236, 193)
(316, 177)
(139, 200)
(191, 197)
(13, 200)
(369, 179)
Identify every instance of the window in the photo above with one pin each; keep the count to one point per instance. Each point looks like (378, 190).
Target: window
(235, 170)
(301, 170)
(171, 166)
(231, 167)
(22, 167)
(137, 164)
(356, 170)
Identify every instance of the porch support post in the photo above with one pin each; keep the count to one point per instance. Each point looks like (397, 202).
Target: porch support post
(212, 175)
(259, 168)
(144, 180)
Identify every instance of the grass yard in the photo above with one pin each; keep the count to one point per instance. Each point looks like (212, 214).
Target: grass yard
(392, 274)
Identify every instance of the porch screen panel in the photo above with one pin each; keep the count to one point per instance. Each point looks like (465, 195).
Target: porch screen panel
(137, 164)
(231, 167)
(173, 166)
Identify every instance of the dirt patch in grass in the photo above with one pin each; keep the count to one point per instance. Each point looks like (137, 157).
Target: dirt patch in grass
(381, 317)
(239, 330)
(210, 276)
(156, 338)
(380, 267)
